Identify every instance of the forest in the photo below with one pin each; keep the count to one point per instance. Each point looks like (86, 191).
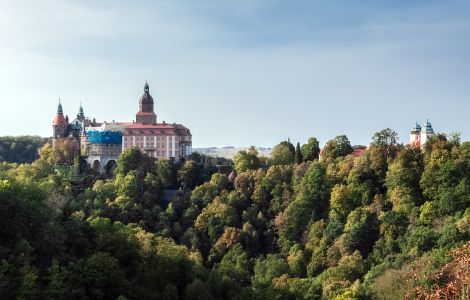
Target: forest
(390, 223)
(23, 149)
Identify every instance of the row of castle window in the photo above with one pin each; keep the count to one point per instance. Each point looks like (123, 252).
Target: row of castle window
(146, 132)
(162, 145)
(142, 138)
(150, 138)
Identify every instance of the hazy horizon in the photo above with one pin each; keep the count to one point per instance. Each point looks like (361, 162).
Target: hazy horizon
(239, 73)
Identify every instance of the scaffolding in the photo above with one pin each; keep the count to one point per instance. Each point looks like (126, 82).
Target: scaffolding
(104, 137)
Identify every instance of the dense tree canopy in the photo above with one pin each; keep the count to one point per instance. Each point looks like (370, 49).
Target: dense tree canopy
(380, 225)
(311, 149)
(23, 149)
(337, 147)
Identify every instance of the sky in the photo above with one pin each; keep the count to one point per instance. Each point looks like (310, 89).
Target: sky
(239, 73)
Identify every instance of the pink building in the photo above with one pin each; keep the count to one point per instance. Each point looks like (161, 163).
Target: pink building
(159, 140)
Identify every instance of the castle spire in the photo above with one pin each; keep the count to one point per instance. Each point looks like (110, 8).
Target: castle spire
(429, 127)
(146, 114)
(59, 108)
(80, 110)
(81, 115)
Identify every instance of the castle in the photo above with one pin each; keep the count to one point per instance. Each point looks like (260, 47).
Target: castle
(419, 137)
(102, 143)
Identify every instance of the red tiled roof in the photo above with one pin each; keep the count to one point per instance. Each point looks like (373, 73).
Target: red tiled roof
(59, 120)
(150, 129)
(150, 126)
(358, 152)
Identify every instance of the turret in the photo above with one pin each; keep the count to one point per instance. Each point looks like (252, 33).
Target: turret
(427, 133)
(415, 135)
(59, 124)
(80, 115)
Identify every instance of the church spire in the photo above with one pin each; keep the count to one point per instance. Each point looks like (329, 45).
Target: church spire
(59, 108)
(146, 87)
(81, 115)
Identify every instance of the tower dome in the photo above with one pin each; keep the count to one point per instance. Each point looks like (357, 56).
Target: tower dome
(146, 97)
(417, 128)
(146, 115)
(428, 127)
(427, 132)
(59, 118)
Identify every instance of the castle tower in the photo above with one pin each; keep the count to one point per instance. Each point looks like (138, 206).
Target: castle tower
(415, 136)
(426, 133)
(80, 115)
(59, 124)
(146, 115)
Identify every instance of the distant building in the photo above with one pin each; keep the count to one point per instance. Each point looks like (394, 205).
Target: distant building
(102, 143)
(357, 151)
(71, 132)
(419, 136)
(159, 140)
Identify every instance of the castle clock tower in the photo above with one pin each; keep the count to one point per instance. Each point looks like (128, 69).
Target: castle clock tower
(146, 115)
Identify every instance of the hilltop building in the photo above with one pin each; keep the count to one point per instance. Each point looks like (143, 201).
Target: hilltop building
(419, 136)
(159, 140)
(103, 143)
(69, 132)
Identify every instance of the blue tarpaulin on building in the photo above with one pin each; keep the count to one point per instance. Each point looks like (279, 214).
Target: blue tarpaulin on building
(104, 137)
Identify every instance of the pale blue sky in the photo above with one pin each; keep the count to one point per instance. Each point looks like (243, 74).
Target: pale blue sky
(239, 72)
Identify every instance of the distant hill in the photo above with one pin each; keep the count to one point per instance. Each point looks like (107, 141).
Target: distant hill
(20, 149)
(230, 151)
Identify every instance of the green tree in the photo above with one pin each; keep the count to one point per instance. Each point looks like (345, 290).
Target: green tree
(387, 141)
(57, 286)
(247, 160)
(342, 200)
(215, 217)
(310, 204)
(236, 266)
(289, 145)
(100, 277)
(361, 231)
(266, 269)
(403, 177)
(166, 172)
(311, 149)
(298, 154)
(281, 155)
(198, 290)
(337, 147)
(133, 159)
(190, 174)
(21, 149)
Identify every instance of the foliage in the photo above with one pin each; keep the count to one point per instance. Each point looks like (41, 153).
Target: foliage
(391, 221)
(281, 155)
(247, 160)
(311, 149)
(337, 147)
(22, 149)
